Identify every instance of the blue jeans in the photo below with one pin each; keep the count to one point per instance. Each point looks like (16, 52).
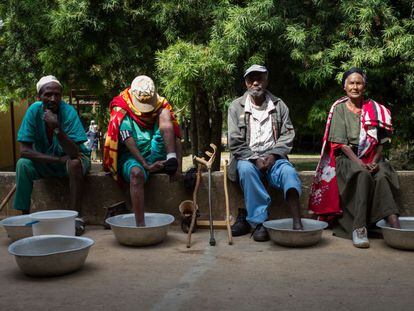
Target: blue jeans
(282, 176)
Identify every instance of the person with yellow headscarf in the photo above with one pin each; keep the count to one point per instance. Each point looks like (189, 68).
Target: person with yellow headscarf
(143, 136)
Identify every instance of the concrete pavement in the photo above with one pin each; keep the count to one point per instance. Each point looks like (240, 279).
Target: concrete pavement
(248, 275)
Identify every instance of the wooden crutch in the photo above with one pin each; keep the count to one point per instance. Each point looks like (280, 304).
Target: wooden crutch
(194, 215)
(208, 164)
(226, 195)
(7, 197)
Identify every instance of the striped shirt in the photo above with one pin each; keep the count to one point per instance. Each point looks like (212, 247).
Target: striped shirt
(261, 131)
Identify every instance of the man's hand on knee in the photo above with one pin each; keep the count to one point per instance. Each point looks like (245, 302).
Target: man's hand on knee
(269, 161)
(64, 159)
(260, 164)
(155, 167)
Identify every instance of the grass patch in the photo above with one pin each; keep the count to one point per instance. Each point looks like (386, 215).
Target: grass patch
(305, 166)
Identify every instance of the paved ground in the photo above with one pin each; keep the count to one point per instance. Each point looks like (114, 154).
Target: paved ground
(245, 276)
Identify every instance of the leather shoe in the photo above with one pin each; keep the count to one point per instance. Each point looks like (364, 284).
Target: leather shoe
(79, 226)
(171, 166)
(260, 234)
(241, 226)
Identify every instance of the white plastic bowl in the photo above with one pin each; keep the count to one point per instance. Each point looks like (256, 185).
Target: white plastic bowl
(16, 227)
(60, 222)
(50, 255)
(127, 233)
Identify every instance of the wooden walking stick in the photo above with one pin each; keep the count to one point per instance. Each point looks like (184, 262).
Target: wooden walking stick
(7, 197)
(194, 215)
(226, 195)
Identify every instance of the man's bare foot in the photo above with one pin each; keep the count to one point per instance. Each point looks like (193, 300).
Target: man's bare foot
(140, 224)
(297, 225)
(394, 221)
(140, 219)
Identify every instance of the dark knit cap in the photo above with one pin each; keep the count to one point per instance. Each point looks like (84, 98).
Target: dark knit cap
(351, 71)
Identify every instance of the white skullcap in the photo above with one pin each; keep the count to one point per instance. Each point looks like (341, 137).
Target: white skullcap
(45, 80)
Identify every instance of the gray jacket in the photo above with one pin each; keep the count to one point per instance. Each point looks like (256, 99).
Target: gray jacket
(239, 132)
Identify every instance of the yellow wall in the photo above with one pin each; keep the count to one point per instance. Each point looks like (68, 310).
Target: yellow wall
(6, 146)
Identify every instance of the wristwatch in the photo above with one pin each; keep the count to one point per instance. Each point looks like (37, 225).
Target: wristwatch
(56, 130)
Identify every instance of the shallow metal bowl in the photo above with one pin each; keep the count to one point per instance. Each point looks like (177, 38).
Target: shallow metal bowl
(127, 233)
(15, 227)
(399, 238)
(281, 232)
(50, 255)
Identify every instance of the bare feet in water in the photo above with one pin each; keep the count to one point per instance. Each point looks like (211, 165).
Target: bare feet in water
(394, 221)
(140, 223)
(297, 225)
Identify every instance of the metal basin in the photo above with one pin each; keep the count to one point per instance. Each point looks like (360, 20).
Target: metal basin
(127, 233)
(399, 238)
(15, 227)
(281, 232)
(50, 255)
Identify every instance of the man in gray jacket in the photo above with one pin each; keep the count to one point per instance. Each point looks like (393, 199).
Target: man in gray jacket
(260, 138)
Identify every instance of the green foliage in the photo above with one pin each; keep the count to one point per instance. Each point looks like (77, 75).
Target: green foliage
(196, 46)
(99, 45)
(376, 35)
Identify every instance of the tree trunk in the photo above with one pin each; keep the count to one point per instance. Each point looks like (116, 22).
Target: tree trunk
(206, 123)
(193, 130)
(186, 145)
(202, 116)
(216, 116)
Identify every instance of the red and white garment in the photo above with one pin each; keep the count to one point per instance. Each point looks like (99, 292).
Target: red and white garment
(374, 116)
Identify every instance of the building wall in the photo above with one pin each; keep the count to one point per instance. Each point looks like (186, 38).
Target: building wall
(6, 144)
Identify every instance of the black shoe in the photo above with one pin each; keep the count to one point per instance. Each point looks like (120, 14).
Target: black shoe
(241, 226)
(260, 234)
(79, 226)
(171, 166)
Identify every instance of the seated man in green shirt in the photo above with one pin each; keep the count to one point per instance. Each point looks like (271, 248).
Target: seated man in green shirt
(51, 139)
(143, 137)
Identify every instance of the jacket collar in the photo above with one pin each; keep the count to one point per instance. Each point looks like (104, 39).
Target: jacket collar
(272, 97)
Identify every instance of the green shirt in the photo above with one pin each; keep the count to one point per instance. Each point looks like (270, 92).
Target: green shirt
(148, 141)
(33, 129)
(345, 126)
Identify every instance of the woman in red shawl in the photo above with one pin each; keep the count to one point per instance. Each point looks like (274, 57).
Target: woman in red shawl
(353, 180)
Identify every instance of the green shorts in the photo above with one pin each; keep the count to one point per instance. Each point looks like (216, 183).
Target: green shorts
(151, 146)
(127, 167)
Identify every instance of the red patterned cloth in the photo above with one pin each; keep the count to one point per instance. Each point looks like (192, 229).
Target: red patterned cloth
(324, 197)
(374, 116)
(120, 106)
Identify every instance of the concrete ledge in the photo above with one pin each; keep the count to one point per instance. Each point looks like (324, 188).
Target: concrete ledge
(101, 191)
